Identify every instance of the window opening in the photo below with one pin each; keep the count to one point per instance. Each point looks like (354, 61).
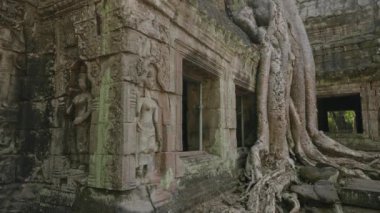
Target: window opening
(246, 120)
(340, 114)
(192, 115)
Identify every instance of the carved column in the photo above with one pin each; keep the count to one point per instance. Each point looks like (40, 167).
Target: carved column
(12, 48)
(120, 42)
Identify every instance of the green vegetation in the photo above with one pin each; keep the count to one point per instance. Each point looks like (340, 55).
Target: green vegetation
(341, 121)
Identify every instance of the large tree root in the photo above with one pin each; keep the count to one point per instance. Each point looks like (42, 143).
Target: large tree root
(293, 199)
(286, 108)
(308, 152)
(265, 193)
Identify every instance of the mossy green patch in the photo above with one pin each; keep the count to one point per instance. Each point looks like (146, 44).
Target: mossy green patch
(167, 179)
(103, 125)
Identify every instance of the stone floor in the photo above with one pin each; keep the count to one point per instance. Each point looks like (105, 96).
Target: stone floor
(229, 202)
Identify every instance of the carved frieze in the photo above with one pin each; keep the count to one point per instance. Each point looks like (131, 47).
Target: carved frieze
(51, 6)
(11, 13)
(88, 40)
(8, 170)
(7, 139)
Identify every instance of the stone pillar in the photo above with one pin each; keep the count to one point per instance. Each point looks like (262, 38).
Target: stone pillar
(12, 50)
(131, 63)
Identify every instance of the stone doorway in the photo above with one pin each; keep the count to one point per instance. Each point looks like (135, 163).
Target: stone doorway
(191, 115)
(342, 114)
(201, 107)
(246, 118)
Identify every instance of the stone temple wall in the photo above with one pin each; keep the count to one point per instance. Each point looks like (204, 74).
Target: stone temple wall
(17, 156)
(91, 103)
(345, 38)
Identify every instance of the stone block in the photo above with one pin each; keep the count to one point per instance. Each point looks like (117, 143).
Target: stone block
(36, 141)
(174, 103)
(57, 145)
(33, 115)
(154, 25)
(363, 3)
(180, 166)
(361, 193)
(160, 197)
(312, 175)
(322, 191)
(114, 131)
(89, 39)
(113, 172)
(95, 111)
(93, 143)
(113, 138)
(178, 111)
(8, 170)
(56, 198)
(105, 201)
(211, 98)
(5, 78)
(212, 118)
(36, 88)
(373, 101)
(231, 118)
(373, 129)
(213, 139)
(40, 66)
(179, 145)
(129, 171)
(8, 140)
(168, 161)
(56, 167)
(164, 104)
(169, 138)
(129, 103)
(136, 42)
(129, 143)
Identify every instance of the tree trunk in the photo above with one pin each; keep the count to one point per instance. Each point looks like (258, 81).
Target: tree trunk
(286, 106)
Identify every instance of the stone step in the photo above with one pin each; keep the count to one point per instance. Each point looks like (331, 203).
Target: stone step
(198, 160)
(361, 193)
(200, 164)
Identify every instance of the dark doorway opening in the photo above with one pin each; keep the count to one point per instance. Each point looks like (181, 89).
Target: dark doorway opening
(246, 118)
(191, 115)
(201, 104)
(341, 114)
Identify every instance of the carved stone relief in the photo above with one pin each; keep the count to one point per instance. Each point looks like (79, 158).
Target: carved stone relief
(153, 25)
(11, 13)
(10, 66)
(7, 140)
(67, 165)
(158, 56)
(149, 139)
(79, 106)
(88, 39)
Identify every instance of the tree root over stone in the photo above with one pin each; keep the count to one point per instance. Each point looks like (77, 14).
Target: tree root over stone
(286, 109)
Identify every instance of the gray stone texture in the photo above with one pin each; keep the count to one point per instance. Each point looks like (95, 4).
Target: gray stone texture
(360, 193)
(345, 36)
(91, 97)
(91, 103)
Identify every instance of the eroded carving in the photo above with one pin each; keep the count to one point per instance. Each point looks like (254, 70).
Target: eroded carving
(148, 128)
(80, 106)
(10, 66)
(7, 141)
(11, 13)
